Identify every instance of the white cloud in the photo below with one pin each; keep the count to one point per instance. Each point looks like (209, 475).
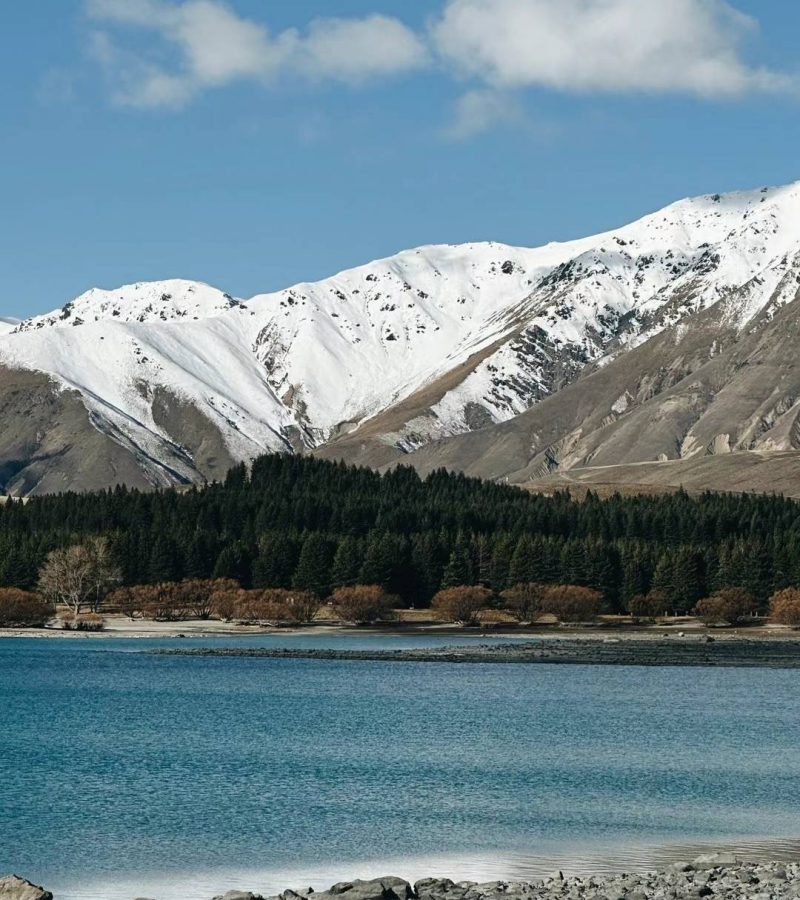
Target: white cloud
(164, 53)
(686, 46)
(217, 47)
(479, 110)
(356, 49)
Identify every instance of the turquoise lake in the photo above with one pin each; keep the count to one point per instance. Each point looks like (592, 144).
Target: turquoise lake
(124, 774)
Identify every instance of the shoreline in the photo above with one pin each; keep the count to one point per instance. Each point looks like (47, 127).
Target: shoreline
(119, 626)
(710, 875)
(700, 650)
(716, 874)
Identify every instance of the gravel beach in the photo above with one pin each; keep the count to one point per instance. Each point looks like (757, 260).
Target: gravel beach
(690, 650)
(719, 875)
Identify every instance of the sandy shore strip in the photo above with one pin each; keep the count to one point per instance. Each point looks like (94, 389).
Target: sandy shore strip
(120, 626)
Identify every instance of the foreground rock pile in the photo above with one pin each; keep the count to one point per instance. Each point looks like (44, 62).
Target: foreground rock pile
(719, 875)
(13, 887)
(714, 876)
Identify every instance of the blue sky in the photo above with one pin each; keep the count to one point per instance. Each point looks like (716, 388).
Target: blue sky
(256, 143)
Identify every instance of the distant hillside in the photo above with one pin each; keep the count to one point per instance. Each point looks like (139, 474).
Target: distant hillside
(776, 472)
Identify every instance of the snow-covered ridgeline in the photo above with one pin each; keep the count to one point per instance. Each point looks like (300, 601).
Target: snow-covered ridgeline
(309, 361)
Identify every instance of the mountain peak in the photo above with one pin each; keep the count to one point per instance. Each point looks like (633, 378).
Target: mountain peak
(144, 302)
(7, 324)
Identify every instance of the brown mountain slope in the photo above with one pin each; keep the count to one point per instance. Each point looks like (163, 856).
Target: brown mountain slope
(697, 389)
(746, 471)
(50, 442)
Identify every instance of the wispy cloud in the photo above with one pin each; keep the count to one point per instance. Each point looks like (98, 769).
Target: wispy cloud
(482, 109)
(217, 47)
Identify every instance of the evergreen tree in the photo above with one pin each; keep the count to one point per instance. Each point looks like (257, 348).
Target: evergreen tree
(234, 561)
(664, 579)
(313, 571)
(482, 554)
(275, 561)
(460, 569)
(379, 560)
(634, 578)
(347, 562)
(500, 564)
(201, 554)
(523, 568)
(427, 566)
(164, 563)
(575, 563)
(688, 576)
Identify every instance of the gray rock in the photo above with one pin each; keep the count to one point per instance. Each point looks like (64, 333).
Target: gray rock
(427, 886)
(388, 888)
(12, 887)
(717, 876)
(240, 895)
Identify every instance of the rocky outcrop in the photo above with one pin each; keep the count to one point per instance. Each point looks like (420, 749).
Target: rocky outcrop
(12, 887)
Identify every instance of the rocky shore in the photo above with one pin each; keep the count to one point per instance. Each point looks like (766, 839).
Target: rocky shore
(714, 876)
(692, 650)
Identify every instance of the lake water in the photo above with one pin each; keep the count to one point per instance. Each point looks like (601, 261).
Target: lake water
(124, 774)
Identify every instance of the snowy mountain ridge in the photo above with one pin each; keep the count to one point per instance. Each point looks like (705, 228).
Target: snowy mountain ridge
(487, 329)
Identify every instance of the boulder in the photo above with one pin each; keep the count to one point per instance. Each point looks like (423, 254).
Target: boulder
(12, 887)
(427, 888)
(240, 895)
(389, 888)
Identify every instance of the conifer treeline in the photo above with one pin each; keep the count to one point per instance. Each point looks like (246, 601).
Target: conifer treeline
(313, 525)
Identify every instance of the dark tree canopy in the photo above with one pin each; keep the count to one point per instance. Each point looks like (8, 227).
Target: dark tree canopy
(301, 523)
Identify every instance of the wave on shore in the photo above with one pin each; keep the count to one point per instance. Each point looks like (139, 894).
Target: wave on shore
(514, 867)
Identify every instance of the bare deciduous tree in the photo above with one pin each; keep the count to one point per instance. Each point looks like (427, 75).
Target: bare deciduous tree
(461, 604)
(572, 603)
(524, 601)
(127, 600)
(23, 609)
(648, 606)
(784, 607)
(363, 604)
(80, 575)
(725, 606)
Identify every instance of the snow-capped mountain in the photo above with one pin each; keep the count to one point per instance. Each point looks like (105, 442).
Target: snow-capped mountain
(184, 379)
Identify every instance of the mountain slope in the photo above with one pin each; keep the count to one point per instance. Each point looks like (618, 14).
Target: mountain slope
(447, 353)
(699, 389)
(749, 271)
